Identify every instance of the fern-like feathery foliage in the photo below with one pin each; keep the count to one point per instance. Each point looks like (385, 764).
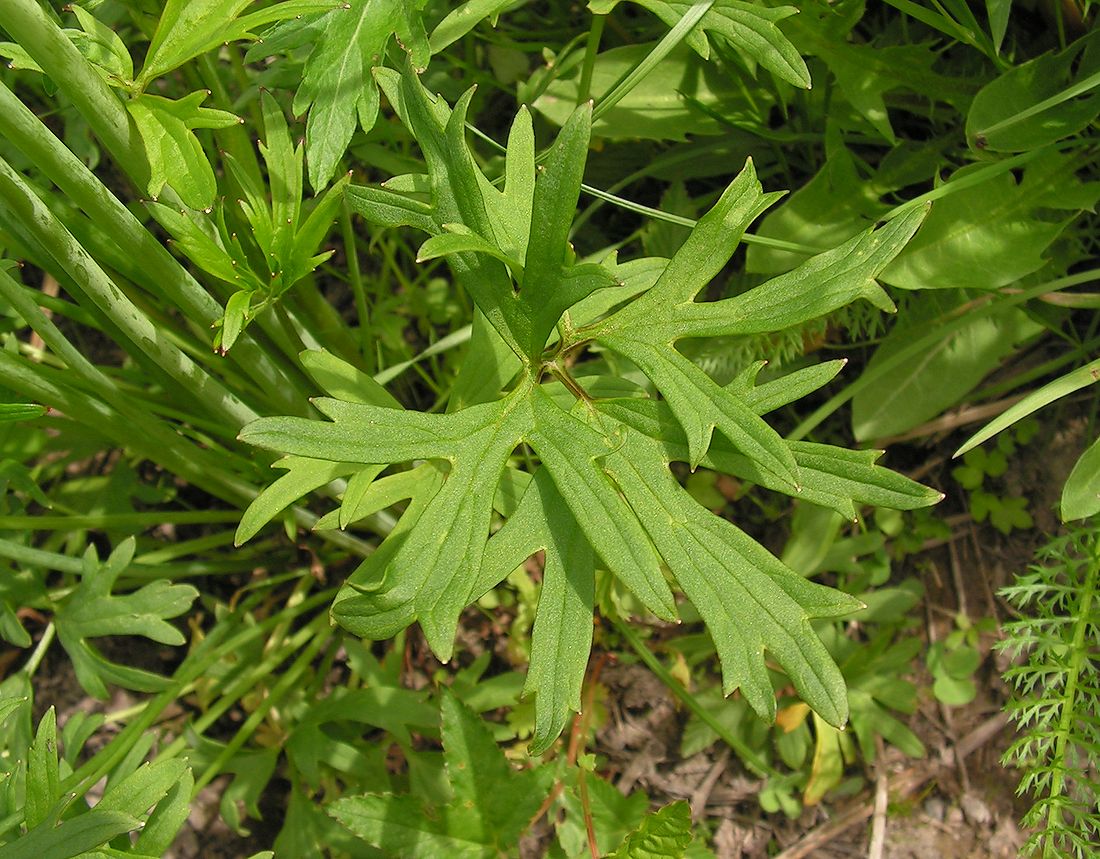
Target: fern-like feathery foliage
(1056, 701)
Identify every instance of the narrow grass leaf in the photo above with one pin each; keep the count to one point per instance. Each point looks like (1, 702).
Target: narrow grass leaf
(1050, 392)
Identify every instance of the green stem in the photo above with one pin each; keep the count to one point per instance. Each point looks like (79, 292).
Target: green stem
(117, 521)
(29, 26)
(355, 278)
(661, 50)
(40, 650)
(138, 427)
(289, 679)
(22, 209)
(1079, 654)
(595, 33)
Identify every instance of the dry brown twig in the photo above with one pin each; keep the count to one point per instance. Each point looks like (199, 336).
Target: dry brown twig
(903, 785)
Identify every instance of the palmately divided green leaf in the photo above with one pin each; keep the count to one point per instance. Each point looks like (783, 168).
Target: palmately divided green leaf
(91, 611)
(748, 598)
(597, 449)
(175, 155)
(562, 636)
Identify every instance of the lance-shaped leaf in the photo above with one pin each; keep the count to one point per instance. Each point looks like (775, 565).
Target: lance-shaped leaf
(562, 637)
(545, 293)
(750, 601)
(820, 285)
(303, 475)
(749, 27)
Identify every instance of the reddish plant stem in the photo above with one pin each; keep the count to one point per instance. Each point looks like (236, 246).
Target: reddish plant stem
(577, 732)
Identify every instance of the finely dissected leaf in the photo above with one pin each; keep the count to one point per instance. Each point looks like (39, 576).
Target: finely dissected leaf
(175, 155)
(188, 28)
(749, 28)
(91, 611)
(490, 807)
(664, 834)
(1055, 695)
(337, 88)
(1038, 102)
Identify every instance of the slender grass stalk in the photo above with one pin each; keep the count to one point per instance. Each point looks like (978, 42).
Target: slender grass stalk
(291, 677)
(22, 209)
(165, 276)
(101, 108)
